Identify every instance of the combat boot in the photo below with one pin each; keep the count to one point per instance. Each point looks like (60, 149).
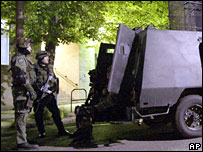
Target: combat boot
(27, 146)
(76, 134)
(42, 135)
(64, 133)
(81, 142)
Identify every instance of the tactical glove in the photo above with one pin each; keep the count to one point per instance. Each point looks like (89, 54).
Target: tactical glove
(29, 104)
(33, 94)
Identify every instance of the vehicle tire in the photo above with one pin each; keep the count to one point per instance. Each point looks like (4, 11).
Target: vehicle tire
(188, 116)
(158, 121)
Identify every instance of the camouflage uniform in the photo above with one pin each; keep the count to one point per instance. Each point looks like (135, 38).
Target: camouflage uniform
(84, 116)
(42, 73)
(23, 75)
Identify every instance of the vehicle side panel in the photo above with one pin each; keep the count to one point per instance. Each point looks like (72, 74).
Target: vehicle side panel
(171, 63)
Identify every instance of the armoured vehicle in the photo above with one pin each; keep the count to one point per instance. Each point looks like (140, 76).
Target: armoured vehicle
(157, 76)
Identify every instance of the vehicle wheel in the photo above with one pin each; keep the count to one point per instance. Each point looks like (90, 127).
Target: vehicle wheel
(188, 117)
(161, 120)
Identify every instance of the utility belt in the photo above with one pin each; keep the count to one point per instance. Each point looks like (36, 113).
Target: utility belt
(18, 88)
(17, 84)
(22, 101)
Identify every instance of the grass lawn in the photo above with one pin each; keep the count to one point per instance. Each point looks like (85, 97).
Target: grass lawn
(104, 133)
(7, 112)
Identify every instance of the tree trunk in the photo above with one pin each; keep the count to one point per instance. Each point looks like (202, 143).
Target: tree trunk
(185, 15)
(50, 47)
(19, 19)
(176, 15)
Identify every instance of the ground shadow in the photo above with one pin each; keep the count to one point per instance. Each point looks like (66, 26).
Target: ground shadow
(161, 133)
(156, 133)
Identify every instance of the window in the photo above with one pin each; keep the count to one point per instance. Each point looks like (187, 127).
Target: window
(110, 51)
(4, 47)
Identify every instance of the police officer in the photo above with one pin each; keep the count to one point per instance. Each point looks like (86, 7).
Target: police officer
(43, 70)
(84, 118)
(23, 75)
(85, 115)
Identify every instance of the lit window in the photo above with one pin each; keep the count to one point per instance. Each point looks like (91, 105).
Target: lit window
(4, 47)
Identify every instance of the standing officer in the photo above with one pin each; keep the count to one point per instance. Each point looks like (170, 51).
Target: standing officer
(43, 72)
(23, 75)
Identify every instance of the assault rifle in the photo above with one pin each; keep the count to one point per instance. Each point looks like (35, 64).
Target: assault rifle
(45, 90)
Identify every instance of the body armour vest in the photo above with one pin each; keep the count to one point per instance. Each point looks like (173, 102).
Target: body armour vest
(42, 73)
(23, 71)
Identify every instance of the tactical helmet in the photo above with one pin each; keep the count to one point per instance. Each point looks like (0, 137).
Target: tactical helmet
(23, 42)
(41, 55)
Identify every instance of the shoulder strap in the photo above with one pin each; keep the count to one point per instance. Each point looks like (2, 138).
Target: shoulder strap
(36, 69)
(11, 63)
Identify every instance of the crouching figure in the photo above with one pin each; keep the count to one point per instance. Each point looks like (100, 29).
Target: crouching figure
(83, 136)
(85, 115)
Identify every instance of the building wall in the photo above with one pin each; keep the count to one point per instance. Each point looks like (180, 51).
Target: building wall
(66, 67)
(7, 97)
(86, 63)
(72, 64)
